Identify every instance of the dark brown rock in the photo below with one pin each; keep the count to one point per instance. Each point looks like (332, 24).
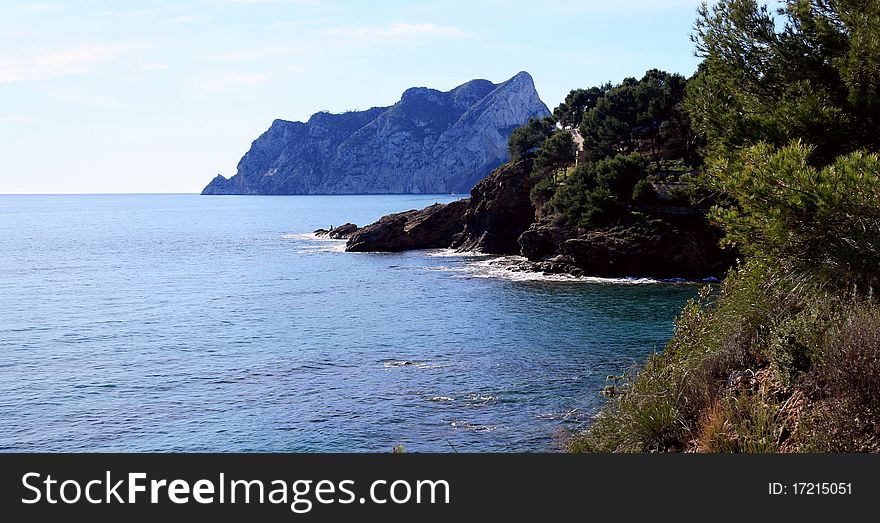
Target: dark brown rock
(542, 239)
(337, 233)
(499, 211)
(499, 218)
(686, 248)
(431, 228)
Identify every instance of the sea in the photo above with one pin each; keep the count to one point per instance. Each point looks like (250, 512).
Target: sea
(221, 323)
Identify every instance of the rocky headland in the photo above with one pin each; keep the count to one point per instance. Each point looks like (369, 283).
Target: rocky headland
(665, 241)
(429, 142)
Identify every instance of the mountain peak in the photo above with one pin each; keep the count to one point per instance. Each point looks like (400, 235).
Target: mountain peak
(430, 141)
(521, 80)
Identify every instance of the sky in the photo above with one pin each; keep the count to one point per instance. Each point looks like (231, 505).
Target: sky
(160, 96)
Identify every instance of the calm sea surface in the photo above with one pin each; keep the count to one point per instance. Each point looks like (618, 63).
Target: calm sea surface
(190, 323)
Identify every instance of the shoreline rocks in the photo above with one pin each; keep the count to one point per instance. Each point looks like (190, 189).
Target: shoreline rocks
(434, 227)
(500, 210)
(337, 233)
(499, 218)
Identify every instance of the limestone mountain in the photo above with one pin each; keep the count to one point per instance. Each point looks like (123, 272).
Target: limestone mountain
(428, 142)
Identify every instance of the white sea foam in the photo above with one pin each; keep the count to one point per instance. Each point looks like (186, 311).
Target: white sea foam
(309, 242)
(397, 363)
(475, 264)
(507, 268)
(440, 268)
(407, 363)
(479, 399)
(442, 399)
(575, 415)
(452, 253)
(471, 427)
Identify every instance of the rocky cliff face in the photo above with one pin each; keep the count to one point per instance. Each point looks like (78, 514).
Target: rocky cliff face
(499, 218)
(428, 142)
(670, 247)
(434, 227)
(499, 211)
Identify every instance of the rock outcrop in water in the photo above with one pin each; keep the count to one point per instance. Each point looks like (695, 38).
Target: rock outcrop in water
(337, 233)
(490, 221)
(684, 246)
(434, 227)
(499, 218)
(499, 211)
(428, 142)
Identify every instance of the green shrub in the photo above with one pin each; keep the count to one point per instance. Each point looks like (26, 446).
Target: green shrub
(526, 140)
(644, 193)
(817, 225)
(541, 193)
(846, 418)
(846, 381)
(596, 192)
(682, 195)
(662, 406)
(796, 342)
(619, 174)
(642, 419)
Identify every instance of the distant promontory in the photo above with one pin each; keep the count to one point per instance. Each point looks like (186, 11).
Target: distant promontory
(428, 142)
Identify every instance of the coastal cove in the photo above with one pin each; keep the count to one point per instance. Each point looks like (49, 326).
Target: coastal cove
(185, 323)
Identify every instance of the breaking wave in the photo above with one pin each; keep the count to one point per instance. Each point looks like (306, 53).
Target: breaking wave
(510, 268)
(310, 243)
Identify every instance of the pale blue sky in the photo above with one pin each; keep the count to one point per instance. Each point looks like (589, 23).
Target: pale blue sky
(160, 96)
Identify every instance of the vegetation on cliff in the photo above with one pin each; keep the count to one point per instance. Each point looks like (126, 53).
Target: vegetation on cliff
(612, 145)
(611, 185)
(786, 356)
(601, 188)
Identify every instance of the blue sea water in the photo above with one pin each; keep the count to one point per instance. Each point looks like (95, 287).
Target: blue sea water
(190, 323)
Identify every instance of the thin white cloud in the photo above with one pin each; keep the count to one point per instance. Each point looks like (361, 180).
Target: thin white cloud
(401, 30)
(39, 7)
(257, 54)
(304, 3)
(188, 19)
(153, 66)
(67, 95)
(621, 6)
(15, 119)
(219, 81)
(146, 12)
(137, 73)
(54, 64)
(299, 68)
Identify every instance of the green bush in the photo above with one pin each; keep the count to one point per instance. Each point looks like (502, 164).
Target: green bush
(644, 193)
(825, 347)
(596, 192)
(799, 318)
(620, 174)
(719, 333)
(542, 191)
(796, 342)
(682, 195)
(846, 381)
(816, 225)
(526, 140)
(643, 419)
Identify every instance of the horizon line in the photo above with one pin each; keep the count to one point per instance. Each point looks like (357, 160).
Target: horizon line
(213, 195)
